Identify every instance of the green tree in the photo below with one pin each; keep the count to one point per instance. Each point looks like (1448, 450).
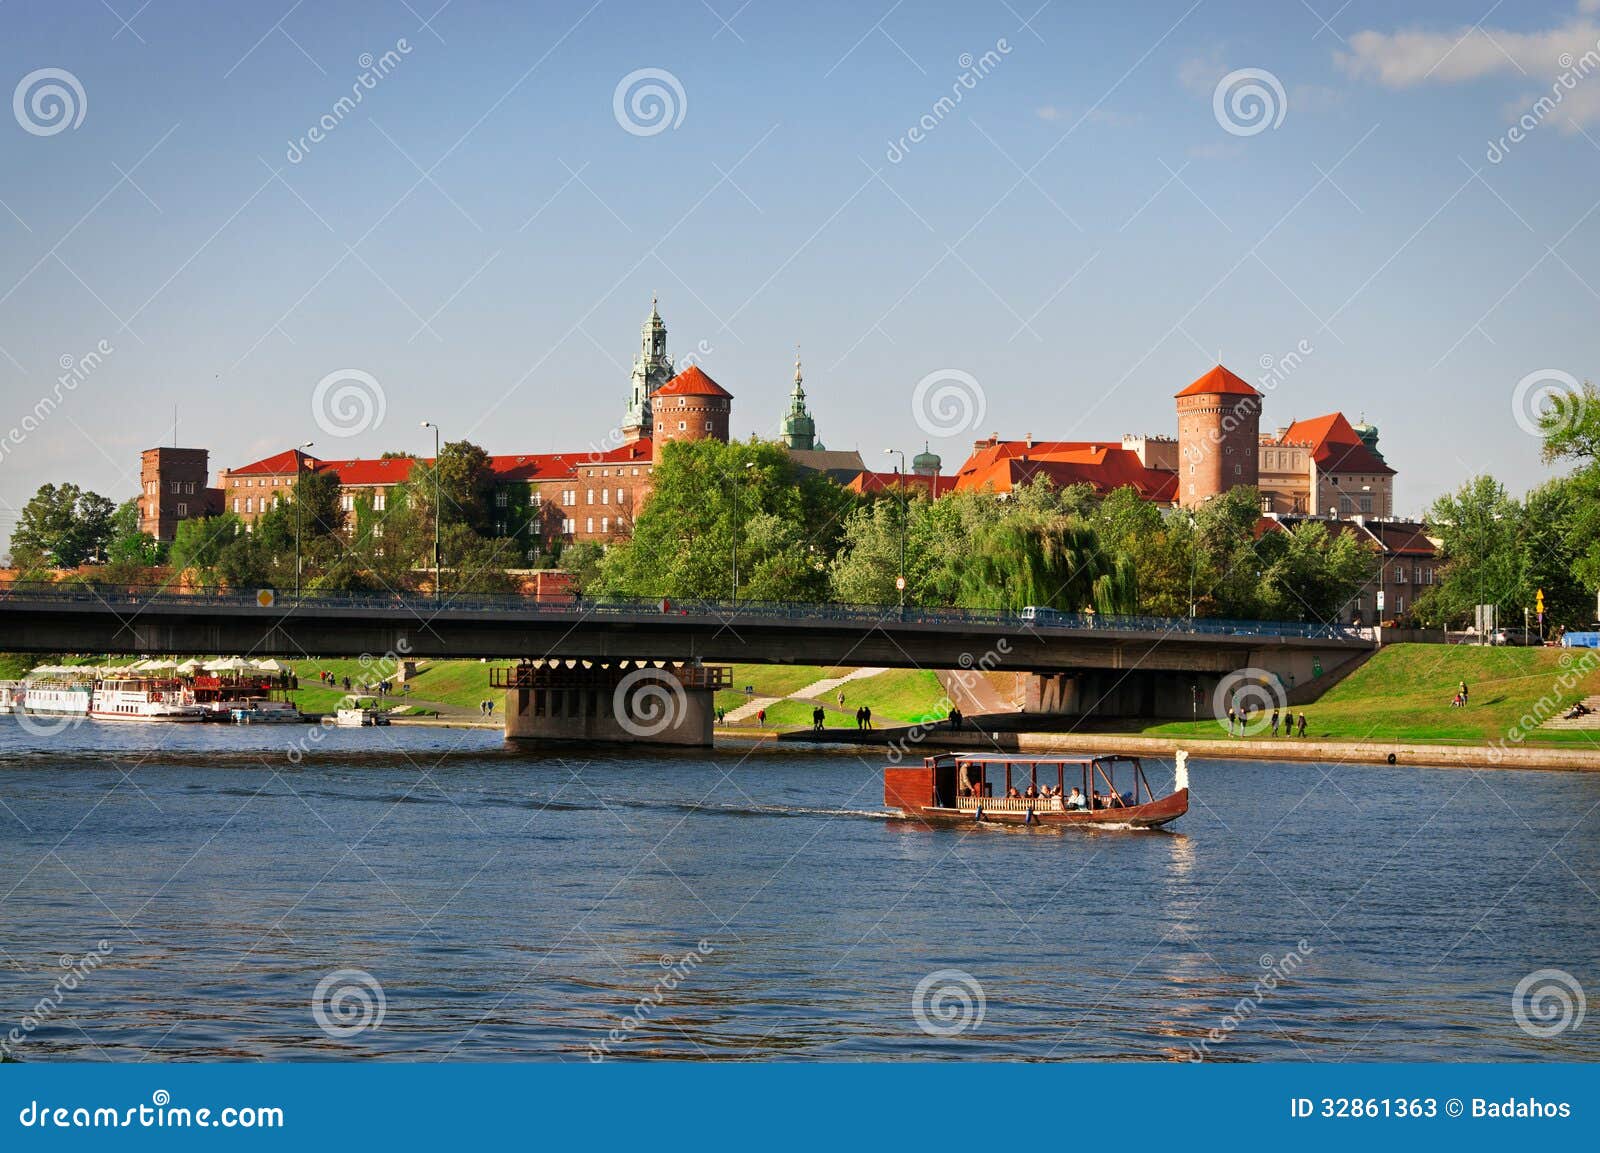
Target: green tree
(127, 544)
(466, 484)
(1311, 572)
(1480, 527)
(707, 497)
(199, 543)
(63, 526)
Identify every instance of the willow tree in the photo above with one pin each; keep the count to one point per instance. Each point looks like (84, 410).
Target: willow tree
(1055, 562)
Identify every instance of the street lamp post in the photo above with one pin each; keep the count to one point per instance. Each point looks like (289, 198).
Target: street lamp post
(749, 464)
(430, 424)
(900, 580)
(299, 512)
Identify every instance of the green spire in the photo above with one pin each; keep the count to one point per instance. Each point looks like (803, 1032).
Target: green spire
(799, 430)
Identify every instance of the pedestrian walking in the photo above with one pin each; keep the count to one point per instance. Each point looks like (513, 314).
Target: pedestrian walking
(1463, 692)
(761, 717)
(841, 698)
(1302, 724)
(866, 713)
(1274, 722)
(1230, 720)
(861, 722)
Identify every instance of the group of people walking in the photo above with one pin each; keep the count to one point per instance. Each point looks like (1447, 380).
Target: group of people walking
(1241, 718)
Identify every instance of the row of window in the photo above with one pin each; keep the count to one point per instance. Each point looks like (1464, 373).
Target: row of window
(250, 482)
(179, 487)
(249, 504)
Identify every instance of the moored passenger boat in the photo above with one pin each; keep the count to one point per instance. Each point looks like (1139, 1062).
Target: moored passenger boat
(1106, 789)
(68, 698)
(144, 699)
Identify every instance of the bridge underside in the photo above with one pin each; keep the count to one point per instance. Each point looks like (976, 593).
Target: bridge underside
(170, 628)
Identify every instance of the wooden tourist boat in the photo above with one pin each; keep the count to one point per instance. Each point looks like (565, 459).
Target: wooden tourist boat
(978, 786)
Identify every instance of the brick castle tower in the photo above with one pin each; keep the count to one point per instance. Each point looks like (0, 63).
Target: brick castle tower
(690, 406)
(1219, 436)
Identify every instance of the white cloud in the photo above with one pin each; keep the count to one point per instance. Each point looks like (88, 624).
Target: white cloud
(1413, 57)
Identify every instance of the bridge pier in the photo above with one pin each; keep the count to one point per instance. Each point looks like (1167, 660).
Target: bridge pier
(625, 702)
(1119, 693)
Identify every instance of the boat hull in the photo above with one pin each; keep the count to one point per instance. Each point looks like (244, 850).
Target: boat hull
(1151, 815)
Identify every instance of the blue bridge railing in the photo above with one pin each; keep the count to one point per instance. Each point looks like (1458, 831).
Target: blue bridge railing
(1031, 619)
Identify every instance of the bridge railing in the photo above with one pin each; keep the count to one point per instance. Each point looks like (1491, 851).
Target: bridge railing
(1029, 620)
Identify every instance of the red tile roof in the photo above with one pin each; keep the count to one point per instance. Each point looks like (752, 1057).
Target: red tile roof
(1335, 445)
(1006, 464)
(377, 472)
(870, 482)
(1220, 380)
(284, 463)
(692, 382)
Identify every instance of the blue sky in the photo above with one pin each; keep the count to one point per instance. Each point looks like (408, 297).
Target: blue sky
(1081, 235)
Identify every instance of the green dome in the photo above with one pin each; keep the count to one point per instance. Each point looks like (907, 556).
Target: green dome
(926, 463)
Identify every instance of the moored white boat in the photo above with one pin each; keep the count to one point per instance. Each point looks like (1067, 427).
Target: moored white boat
(57, 698)
(144, 699)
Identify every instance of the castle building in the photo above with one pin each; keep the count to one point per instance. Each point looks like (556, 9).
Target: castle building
(690, 406)
(172, 488)
(1325, 467)
(652, 368)
(1219, 419)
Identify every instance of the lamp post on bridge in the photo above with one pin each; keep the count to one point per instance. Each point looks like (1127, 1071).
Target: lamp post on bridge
(748, 465)
(900, 578)
(430, 424)
(299, 511)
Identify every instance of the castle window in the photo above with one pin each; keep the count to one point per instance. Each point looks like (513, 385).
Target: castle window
(249, 504)
(619, 496)
(708, 426)
(380, 500)
(347, 501)
(189, 488)
(682, 401)
(1238, 470)
(605, 524)
(683, 426)
(176, 486)
(183, 509)
(377, 532)
(235, 505)
(501, 498)
(588, 524)
(605, 496)
(591, 496)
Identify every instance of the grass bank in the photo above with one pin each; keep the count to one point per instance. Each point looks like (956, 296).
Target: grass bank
(1403, 693)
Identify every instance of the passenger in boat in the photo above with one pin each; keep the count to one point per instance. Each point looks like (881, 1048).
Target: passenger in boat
(1012, 794)
(1075, 798)
(966, 791)
(1031, 792)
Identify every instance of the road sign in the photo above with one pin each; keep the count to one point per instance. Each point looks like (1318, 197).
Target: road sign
(1538, 602)
(900, 583)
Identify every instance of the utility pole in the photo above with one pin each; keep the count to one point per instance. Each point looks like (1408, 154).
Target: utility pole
(299, 511)
(430, 424)
(900, 579)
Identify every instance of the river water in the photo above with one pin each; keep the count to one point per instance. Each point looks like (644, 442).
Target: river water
(466, 901)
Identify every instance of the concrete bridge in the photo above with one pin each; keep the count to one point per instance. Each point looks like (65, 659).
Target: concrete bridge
(1147, 666)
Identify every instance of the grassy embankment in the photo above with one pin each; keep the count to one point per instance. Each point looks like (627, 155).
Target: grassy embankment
(898, 695)
(458, 686)
(1403, 693)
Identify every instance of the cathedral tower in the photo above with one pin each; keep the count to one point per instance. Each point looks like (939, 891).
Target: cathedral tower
(1219, 421)
(651, 369)
(799, 430)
